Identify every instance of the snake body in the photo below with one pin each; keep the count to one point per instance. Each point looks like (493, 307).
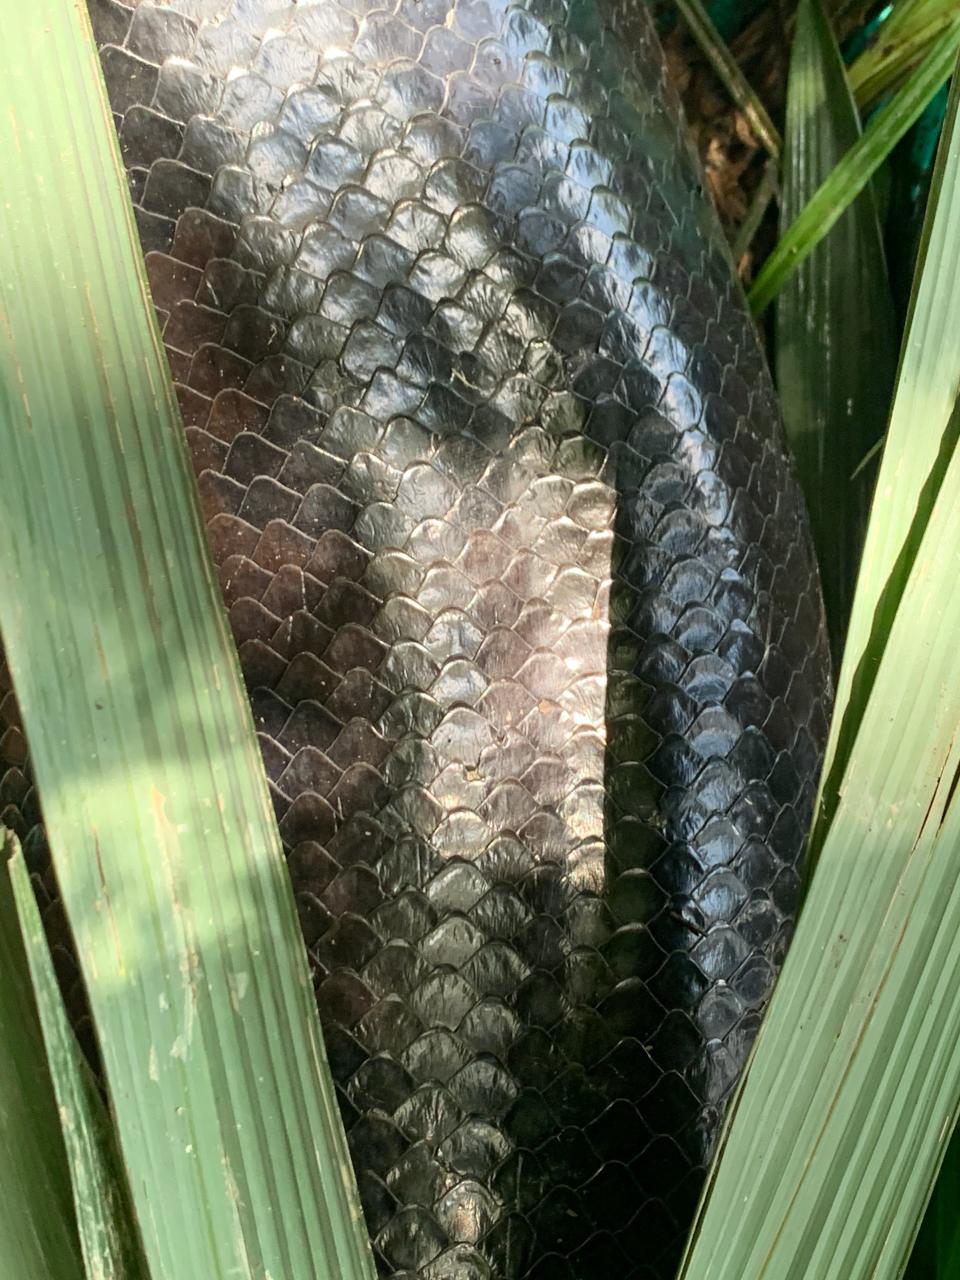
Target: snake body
(520, 580)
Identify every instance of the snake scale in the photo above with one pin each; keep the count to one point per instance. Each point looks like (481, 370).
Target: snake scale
(520, 579)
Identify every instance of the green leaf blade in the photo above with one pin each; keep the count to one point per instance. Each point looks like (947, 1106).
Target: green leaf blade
(847, 1105)
(38, 1229)
(936, 1253)
(855, 170)
(851, 1092)
(835, 329)
(156, 807)
(108, 1236)
(922, 434)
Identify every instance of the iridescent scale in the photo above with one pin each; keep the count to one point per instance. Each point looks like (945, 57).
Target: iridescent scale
(521, 584)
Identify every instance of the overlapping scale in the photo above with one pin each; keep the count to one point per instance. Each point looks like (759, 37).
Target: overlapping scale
(520, 580)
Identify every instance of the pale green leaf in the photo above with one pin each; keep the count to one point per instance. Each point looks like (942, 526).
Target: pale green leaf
(936, 1253)
(921, 435)
(156, 806)
(851, 1093)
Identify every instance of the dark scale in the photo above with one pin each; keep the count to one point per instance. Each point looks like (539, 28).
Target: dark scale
(521, 583)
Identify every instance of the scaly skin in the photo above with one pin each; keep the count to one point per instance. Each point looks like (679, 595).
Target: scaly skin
(520, 580)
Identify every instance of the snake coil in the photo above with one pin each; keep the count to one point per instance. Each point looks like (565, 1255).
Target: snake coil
(520, 580)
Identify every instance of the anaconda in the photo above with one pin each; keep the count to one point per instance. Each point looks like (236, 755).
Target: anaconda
(520, 579)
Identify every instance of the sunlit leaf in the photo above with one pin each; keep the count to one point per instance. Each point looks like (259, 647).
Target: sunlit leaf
(920, 440)
(902, 41)
(936, 1253)
(155, 803)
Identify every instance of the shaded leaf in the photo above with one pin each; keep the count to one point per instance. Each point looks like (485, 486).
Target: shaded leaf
(108, 1236)
(38, 1230)
(835, 332)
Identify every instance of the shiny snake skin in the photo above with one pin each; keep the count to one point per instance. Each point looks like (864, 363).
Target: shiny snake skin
(520, 579)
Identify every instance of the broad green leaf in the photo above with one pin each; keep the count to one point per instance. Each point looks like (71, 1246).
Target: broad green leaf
(921, 435)
(156, 806)
(38, 1230)
(835, 338)
(845, 1111)
(725, 65)
(857, 167)
(108, 1236)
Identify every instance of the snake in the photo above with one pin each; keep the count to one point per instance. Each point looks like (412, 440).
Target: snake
(521, 582)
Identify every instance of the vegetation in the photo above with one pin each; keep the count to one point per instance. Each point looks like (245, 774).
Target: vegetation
(155, 802)
(222, 1103)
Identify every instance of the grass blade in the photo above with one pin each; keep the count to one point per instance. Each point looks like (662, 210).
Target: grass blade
(725, 65)
(856, 169)
(156, 806)
(38, 1230)
(921, 436)
(835, 331)
(104, 1219)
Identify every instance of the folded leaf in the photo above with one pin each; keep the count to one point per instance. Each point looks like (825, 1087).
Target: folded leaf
(921, 437)
(105, 1224)
(835, 331)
